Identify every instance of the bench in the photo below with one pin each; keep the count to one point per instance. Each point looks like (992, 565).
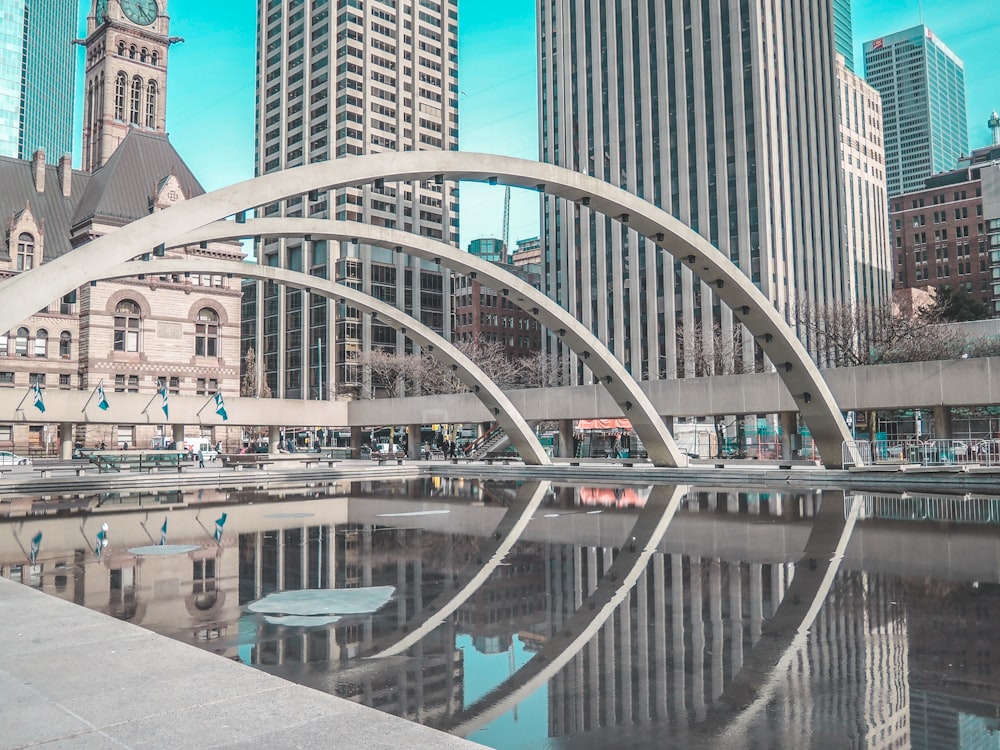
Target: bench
(504, 458)
(238, 461)
(310, 462)
(77, 467)
(383, 458)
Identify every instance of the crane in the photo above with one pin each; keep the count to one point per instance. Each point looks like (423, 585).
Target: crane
(506, 224)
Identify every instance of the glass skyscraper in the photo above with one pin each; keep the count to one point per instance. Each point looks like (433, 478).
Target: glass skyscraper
(37, 61)
(922, 84)
(843, 33)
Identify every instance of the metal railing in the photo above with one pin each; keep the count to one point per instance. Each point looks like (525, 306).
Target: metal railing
(905, 507)
(944, 452)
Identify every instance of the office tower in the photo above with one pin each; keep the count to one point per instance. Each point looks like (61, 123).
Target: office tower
(336, 80)
(37, 61)
(742, 150)
(843, 31)
(922, 84)
(866, 219)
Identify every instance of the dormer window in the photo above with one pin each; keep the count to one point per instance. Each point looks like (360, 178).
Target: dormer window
(25, 252)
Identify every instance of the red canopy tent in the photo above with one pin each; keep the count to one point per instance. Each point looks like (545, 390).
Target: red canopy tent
(604, 424)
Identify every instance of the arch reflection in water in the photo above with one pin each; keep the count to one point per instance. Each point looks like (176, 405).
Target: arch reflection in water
(727, 637)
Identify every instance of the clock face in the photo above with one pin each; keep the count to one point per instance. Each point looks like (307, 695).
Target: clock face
(142, 12)
(101, 11)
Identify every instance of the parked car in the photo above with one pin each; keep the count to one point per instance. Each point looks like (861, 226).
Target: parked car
(12, 459)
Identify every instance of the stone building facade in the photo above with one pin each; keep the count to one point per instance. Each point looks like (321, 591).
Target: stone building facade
(133, 335)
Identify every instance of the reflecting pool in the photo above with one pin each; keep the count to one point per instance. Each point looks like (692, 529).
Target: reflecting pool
(547, 615)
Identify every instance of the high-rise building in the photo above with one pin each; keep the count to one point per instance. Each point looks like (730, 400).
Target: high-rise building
(866, 207)
(843, 31)
(37, 60)
(736, 137)
(489, 248)
(336, 80)
(922, 84)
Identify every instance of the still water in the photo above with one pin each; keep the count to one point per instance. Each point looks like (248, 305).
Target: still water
(539, 615)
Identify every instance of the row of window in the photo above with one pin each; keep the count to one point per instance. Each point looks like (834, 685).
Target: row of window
(128, 329)
(127, 335)
(19, 344)
(135, 100)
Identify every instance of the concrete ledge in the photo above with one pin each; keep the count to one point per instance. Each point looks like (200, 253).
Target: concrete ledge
(86, 680)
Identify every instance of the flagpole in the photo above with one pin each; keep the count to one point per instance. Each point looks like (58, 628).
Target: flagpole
(210, 400)
(31, 388)
(155, 396)
(92, 394)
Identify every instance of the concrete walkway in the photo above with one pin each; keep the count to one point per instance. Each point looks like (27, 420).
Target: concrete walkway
(74, 678)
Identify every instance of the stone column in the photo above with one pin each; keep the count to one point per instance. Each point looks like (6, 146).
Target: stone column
(273, 439)
(177, 435)
(355, 442)
(566, 438)
(413, 441)
(789, 432)
(65, 441)
(942, 423)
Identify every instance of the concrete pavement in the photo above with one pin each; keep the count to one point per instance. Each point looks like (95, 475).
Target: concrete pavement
(75, 679)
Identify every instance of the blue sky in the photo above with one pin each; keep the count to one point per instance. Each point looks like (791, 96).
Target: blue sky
(210, 91)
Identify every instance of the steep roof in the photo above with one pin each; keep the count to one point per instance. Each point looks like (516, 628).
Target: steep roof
(123, 189)
(17, 189)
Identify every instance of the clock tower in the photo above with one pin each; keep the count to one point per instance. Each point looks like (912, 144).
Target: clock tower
(126, 74)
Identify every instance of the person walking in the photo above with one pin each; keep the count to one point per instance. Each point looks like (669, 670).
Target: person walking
(201, 458)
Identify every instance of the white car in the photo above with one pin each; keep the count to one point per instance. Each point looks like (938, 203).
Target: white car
(12, 459)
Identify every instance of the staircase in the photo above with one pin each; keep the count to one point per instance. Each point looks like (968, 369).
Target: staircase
(494, 440)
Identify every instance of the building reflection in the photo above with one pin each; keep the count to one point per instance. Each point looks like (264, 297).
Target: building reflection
(897, 661)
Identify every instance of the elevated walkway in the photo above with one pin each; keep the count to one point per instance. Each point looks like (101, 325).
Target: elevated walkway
(76, 677)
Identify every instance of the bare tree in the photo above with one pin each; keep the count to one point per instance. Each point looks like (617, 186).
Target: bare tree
(715, 351)
(541, 370)
(843, 334)
(248, 383)
(388, 370)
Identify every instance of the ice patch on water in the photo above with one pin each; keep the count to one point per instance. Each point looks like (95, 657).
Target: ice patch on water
(312, 602)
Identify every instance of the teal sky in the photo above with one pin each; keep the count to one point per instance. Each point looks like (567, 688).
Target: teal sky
(210, 91)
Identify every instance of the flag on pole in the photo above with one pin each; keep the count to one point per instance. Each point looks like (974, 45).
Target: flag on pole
(163, 533)
(218, 528)
(102, 400)
(220, 406)
(102, 539)
(39, 401)
(163, 395)
(36, 544)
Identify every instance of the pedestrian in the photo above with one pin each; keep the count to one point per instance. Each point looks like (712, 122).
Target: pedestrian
(218, 448)
(201, 458)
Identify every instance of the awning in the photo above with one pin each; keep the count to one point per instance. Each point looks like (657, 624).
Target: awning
(604, 424)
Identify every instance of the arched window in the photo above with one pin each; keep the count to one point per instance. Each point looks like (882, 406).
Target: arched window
(154, 58)
(121, 49)
(21, 343)
(65, 344)
(25, 252)
(128, 324)
(151, 105)
(143, 54)
(135, 101)
(41, 343)
(206, 333)
(121, 83)
(131, 52)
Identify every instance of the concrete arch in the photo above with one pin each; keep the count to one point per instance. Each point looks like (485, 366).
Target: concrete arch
(504, 412)
(616, 584)
(27, 292)
(610, 373)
